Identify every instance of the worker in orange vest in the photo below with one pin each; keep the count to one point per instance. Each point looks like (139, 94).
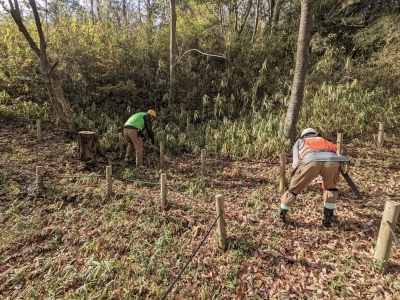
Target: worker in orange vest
(133, 129)
(312, 156)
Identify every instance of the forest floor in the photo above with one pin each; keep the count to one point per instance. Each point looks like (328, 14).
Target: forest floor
(71, 241)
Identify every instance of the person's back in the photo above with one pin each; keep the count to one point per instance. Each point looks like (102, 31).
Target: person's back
(312, 156)
(313, 147)
(133, 129)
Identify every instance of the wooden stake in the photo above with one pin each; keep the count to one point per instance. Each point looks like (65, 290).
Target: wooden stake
(282, 177)
(161, 155)
(121, 143)
(39, 130)
(381, 134)
(221, 231)
(203, 162)
(39, 178)
(385, 237)
(163, 191)
(109, 180)
(339, 143)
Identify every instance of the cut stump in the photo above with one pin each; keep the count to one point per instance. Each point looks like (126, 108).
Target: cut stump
(89, 146)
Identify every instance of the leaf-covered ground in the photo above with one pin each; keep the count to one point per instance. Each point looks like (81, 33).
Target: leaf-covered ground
(72, 242)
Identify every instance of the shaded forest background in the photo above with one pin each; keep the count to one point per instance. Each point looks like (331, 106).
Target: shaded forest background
(231, 92)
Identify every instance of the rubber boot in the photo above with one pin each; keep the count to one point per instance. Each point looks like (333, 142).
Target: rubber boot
(279, 216)
(328, 217)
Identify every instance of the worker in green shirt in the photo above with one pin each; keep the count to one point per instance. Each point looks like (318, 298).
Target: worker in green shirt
(133, 129)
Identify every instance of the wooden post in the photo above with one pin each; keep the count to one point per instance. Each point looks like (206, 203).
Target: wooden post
(381, 134)
(121, 143)
(339, 143)
(221, 231)
(39, 130)
(39, 178)
(203, 162)
(282, 178)
(163, 191)
(161, 155)
(109, 180)
(385, 237)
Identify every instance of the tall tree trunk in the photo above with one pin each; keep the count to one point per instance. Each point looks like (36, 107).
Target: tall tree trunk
(296, 96)
(221, 21)
(149, 20)
(271, 10)
(246, 15)
(139, 12)
(99, 11)
(125, 12)
(92, 10)
(276, 13)
(172, 51)
(236, 15)
(56, 95)
(256, 22)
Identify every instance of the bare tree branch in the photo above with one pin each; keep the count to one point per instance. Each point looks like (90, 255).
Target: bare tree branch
(16, 5)
(207, 54)
(16, 15)
(53, 67)
(246, 15)
(38, 26)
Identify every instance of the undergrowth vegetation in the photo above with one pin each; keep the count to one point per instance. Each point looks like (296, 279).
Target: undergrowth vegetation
(330, 110)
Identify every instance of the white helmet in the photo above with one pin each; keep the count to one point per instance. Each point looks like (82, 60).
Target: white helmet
(308, 130)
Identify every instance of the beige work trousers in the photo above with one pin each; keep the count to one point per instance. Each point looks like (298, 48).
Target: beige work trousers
(134, 140)
(330, 172)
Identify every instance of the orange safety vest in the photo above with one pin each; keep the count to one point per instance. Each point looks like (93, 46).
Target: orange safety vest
(316, 144)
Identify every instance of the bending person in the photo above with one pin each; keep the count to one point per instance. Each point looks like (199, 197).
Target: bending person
(312, 156)
(133, 134)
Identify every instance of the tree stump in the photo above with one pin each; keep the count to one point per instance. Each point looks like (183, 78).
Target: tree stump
(89, 146)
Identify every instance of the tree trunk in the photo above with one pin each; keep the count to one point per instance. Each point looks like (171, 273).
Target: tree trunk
(124, 13)
(271, 11)
(172, 53)
(235, 7)
(256, 22)
(57, 99)
(60, 104)
(296, 96)
(99, 11)
(246, 15)
(276, 13)
(92, 10)
(89, 146)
